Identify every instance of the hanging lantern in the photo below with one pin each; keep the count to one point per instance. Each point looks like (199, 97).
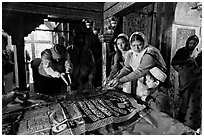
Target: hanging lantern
(88, 23)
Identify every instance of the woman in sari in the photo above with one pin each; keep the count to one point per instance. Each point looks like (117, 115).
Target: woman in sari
(140, 59)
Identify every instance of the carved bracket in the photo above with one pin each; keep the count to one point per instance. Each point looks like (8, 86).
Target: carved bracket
(105, 38)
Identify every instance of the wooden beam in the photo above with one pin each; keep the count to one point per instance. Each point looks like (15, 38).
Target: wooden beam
(123, 8)
(108, 5)
(116, 8)
(86, 6)
(59, 12)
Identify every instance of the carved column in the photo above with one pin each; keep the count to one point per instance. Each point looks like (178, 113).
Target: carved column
(18, 40)
(105, 39)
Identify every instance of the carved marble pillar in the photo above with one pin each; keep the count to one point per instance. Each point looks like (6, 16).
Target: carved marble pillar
(106, 60)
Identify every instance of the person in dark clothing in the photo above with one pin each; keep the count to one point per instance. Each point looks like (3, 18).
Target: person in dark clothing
(27, 63)
(7, 67)
(83, 63)
(189, 74)
(34, 65)
(93, 43)
(55, 63)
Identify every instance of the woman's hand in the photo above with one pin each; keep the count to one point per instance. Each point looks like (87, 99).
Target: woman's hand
(114, 83)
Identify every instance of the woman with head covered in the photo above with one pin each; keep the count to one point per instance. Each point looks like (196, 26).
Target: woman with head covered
(189, 70)
(121, 49)
(140, 59)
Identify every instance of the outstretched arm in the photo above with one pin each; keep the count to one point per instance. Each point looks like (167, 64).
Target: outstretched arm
(147, 63)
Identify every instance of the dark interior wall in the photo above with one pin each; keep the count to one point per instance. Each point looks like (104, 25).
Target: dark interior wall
(138, 20)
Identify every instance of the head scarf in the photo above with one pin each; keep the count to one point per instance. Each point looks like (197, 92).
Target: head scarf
(197, 49)
(123, 35)
(143, 36)
(151, 50)
(193, 37)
